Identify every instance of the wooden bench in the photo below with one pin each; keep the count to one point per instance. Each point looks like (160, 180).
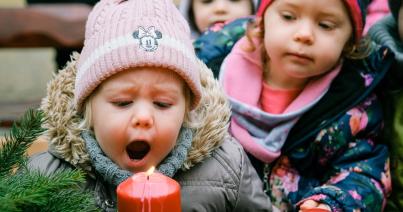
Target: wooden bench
(43, 25)
(39, 25)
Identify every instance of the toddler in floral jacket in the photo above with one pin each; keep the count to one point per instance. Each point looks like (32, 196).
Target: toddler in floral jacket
(301, 84)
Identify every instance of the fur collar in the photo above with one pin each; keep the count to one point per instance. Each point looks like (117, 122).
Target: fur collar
(61, 119)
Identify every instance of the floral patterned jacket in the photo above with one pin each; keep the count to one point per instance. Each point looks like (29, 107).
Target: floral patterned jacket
(331, 155)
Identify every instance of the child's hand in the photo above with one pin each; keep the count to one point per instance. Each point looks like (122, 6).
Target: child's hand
(311, 204)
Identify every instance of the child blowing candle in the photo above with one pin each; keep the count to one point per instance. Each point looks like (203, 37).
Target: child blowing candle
(133, 99)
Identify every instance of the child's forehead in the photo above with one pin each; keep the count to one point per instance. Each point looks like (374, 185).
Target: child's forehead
(297, 3)
(335, 8)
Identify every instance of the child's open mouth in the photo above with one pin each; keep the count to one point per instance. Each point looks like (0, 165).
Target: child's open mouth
(137, 150)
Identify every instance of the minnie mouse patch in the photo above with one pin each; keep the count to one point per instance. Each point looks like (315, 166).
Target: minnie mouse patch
(148, 38)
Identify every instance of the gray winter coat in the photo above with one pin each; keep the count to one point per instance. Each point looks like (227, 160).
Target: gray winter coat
(216, 176)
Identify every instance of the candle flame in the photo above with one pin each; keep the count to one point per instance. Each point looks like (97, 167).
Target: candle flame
(150, 171)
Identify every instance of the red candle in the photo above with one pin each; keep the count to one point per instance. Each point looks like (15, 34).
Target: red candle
(145, 192)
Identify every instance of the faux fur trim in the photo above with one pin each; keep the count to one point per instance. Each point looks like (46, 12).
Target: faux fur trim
(62, 119)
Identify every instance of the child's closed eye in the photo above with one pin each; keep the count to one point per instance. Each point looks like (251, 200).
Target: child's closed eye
(326, 25)
(162, 105)
(206, 1)
(122, 103)
(287, 16)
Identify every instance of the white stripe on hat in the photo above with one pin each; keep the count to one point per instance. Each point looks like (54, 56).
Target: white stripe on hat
(126, 40)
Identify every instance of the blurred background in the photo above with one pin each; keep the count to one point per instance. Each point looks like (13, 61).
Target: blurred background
(24, 71)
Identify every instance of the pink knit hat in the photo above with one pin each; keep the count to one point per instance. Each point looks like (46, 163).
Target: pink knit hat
(357, 10)
(122, 34)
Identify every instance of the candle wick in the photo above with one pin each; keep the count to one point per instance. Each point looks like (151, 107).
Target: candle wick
(148, 177)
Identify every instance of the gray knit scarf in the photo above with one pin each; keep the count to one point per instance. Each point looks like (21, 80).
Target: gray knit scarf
(114, 175)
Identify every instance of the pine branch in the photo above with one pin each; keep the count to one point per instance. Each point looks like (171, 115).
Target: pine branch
(20, 137)
(33, 187)
(70, 200)
(26, 190)
(33, 191)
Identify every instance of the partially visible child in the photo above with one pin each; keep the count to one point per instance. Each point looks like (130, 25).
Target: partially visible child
(389, 32)
(202, 14)
(302, 89)
(133, 99)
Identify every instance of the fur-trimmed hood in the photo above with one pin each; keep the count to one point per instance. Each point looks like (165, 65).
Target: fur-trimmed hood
(62, 119)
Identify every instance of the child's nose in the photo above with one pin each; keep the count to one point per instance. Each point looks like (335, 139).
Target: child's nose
(142, 118)
(220, 7)
(304, 34)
